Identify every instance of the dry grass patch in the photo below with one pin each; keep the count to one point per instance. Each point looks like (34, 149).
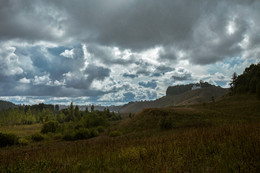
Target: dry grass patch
(22, 130)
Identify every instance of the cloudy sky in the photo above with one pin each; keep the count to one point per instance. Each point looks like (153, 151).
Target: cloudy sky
(115, 51)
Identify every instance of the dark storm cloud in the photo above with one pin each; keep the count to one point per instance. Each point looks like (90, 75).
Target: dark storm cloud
(96, 72)
(182, 78)
(195, 27)
(29, 20)
(181, 75)
(214, 43)
(79, 80)
(161, 70)
(168, 53)
(164, 69)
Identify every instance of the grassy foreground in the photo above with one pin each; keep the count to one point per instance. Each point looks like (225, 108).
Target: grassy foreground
(218, 137)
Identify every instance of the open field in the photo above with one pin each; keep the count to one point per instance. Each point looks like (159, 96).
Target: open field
(214, 137)
(21, 130)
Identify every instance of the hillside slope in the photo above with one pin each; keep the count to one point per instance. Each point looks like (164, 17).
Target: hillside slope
(187, 98)
(6, 104)
(229, 109)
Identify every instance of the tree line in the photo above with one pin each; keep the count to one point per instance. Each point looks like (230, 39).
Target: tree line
(42, 113)
(247, 82)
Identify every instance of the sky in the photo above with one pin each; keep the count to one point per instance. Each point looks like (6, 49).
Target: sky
(110, 52)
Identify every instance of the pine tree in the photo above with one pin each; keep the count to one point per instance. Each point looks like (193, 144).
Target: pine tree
(71, 111)
(92, 108)
(233, 82)
(76, 112)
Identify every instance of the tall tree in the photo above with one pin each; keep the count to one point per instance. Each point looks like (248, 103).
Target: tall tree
(86, 110)
(57, 108)
(71, 111)
(233, 82)
(92, 108)
(76, 112)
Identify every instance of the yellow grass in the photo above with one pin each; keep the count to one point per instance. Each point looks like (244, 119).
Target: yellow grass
(21, 130)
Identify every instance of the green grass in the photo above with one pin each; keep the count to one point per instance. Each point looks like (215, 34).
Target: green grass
(21, 130)
(216, 137)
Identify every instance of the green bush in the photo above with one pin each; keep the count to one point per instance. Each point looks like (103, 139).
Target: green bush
(8, 139)
(115, 133)
(82, 133)
(93, 133)
(23, 141)
(94, 120)
(37, 137)
(69, 136)
(57, 136)
(50, 126)
(166, 122)
(100, 129)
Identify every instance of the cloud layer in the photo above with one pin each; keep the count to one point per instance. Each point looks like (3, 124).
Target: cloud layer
(119, 50)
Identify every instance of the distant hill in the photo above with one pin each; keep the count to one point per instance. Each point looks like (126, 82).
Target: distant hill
(177, 96)
(229, 109)
(6, 104)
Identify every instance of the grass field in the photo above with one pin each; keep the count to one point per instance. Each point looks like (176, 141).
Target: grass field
(21, 130)
(214, 137)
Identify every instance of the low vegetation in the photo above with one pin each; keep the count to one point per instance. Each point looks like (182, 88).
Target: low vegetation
(8, 139)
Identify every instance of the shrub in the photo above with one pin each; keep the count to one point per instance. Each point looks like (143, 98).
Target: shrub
(166, 122)
(115, 133)
(8, 139)
(95, 120)
(37, 137)
(23, 141)
(68, 136)
(82, 133)
(100, 129)
(57, 136)
(50, 126)
(93, 133)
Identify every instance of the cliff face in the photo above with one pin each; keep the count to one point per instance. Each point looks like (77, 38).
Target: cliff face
(179, 89)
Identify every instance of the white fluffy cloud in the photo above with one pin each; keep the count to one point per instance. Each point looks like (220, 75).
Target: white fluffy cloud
(68, 53)
(42, 80)
(10, 64)
(25, 80)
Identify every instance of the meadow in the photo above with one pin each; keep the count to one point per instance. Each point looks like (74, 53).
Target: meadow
(221, 136)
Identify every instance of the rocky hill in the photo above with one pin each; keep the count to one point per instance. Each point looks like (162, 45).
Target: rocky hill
(179, 89)
(177, 96)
